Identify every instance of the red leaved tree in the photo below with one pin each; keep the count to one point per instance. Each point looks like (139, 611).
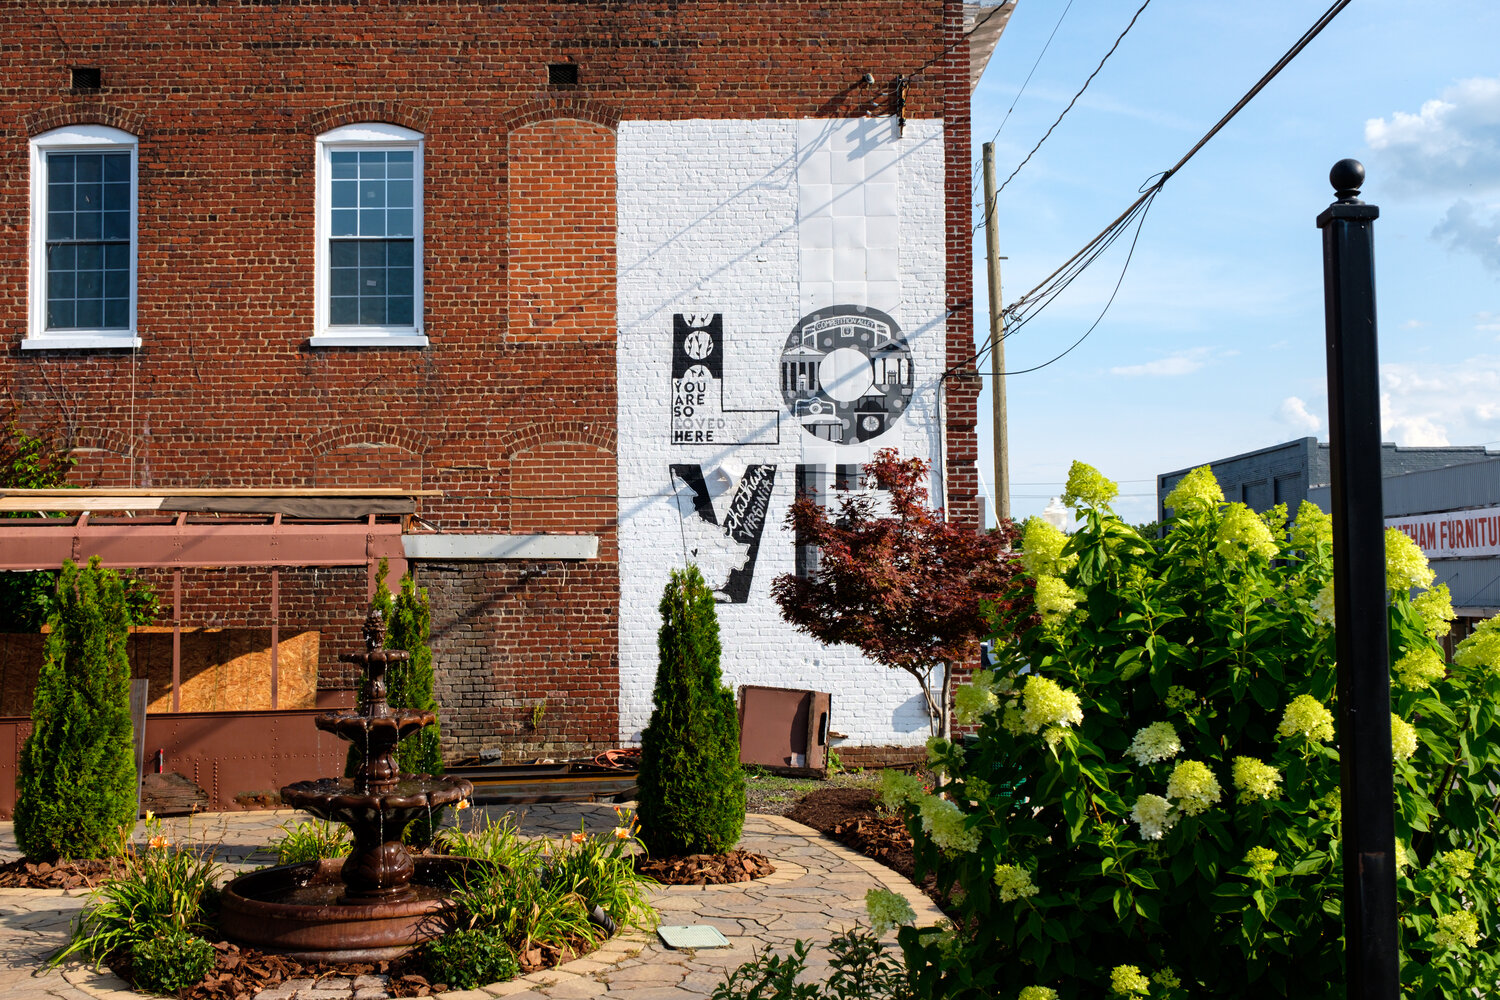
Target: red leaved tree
(907, 588)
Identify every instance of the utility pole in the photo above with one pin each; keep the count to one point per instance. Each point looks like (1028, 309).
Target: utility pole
(997, 340)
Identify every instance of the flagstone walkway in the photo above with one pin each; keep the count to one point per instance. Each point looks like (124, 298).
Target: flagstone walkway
(818, 890)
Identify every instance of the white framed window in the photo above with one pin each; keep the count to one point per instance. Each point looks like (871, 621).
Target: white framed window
(82, 286)
(369, 237)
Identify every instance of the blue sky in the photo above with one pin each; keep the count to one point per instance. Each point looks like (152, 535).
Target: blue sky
(1214, 345)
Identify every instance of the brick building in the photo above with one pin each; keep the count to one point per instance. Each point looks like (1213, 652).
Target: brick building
(623, 274)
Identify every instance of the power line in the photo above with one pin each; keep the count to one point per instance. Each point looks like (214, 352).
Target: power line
(1025, 307)
(1014, 101)
(1075, 97)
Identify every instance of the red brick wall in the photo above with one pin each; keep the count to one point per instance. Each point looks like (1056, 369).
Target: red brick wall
(511, 409)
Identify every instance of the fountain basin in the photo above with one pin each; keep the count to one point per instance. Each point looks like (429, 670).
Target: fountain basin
(293, 909)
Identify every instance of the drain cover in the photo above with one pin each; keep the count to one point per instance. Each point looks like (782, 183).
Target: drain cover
(693, 936)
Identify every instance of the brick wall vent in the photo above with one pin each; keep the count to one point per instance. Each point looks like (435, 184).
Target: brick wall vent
(562, 75)
(87, 78)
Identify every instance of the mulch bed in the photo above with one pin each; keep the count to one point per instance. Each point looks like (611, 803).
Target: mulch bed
(853, 818)
(84, 874)
(707, 869)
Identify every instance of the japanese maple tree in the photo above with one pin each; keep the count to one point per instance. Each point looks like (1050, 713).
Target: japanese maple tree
(894, 579)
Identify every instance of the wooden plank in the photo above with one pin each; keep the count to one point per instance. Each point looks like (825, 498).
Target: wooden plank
(302, 491)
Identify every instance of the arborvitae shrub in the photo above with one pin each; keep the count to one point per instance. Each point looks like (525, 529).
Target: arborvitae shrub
(77, 769)
(409, 685)
(692, 789)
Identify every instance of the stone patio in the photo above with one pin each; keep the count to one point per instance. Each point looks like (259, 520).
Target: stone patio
(818, 890)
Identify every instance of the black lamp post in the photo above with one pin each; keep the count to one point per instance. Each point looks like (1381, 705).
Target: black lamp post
(1364, 687)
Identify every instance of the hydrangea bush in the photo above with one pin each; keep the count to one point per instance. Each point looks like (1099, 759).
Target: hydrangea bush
(1151, 808)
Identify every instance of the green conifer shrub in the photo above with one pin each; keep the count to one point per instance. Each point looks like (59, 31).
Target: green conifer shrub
(408, 620)
(77, 768)
(692, 788)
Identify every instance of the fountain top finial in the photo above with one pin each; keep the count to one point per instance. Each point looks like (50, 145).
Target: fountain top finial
(374, 630)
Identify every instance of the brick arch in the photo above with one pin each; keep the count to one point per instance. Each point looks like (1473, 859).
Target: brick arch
(597, 433)
(563, 485)
(372, 434)
(355, 112)
(101, 458)
(377, 456)
(85, 113)
(548, 108)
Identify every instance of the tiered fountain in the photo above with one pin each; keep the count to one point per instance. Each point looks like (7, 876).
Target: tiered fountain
(378, 902)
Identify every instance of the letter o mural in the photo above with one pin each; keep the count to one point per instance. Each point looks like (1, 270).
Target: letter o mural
(846, 373)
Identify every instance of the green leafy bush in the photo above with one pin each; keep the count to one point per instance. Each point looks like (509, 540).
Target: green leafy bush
(498, 843)
(1152, 803)
(77, 768)
(163, 888)
(524, 906)
(312, 840)
(858, 969)
(470, 958)
(172, 961)
(692, 789)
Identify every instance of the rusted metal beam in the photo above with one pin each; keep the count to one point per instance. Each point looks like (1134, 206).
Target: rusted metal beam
(45, 543)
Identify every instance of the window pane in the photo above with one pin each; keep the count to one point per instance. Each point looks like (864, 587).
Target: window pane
(371, 194)
(90, 313)
(399, 163)
(117, 314)
(90, 257)
(345, 222)
(117, 257)
(399, 310)
(398, 194)
(343, 253)
(372, 281)
(63, 258)
(345, 194)
(88, 166)
(372, 222)
(372, 254)
(371, 165)
(399, 253)
(117, 284)
(116, 226)
(117, 167)
(398, 222)
(86, 226)
(116, 197)
(399, 280)
(344, 164)
(88, 197)
(60, 314)
(59, 225)
(60, 285)
(372, 312)
(343, 281)
(90, 284)
(343, 311)
(60, 168)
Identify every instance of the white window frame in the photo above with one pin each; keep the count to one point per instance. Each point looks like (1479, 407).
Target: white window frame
(75, 139)
(370, 136)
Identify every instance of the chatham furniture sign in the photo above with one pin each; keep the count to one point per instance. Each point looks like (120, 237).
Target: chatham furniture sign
(1453, 534)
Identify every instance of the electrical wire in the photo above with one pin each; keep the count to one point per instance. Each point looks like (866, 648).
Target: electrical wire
(1016, 100)
(1027, 306)
(1076, 96)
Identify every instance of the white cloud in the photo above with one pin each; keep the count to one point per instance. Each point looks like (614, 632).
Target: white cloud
(1295, 413)
(1451, 144)
(1441, 404)
(1413, 324)
(1181, 363)
(1487, 321)
(1465, 230)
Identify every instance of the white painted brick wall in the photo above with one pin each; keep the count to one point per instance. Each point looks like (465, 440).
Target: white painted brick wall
(721, 217)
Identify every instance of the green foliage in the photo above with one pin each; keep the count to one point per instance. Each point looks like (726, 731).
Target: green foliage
(498, 843)
(408, 620)
(1154, 791)
(470, 958)
(162, 889)
(28, 462)
(859, 969)
(312, 840)
(602, 871)
(77, 768)
(176, 960)
(525, 906)
(692, 788)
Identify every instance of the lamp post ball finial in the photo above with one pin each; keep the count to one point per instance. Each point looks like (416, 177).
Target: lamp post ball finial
(1347, 177)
